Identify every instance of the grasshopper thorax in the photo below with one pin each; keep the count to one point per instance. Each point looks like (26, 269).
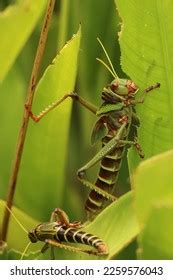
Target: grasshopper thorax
(121, 88)
(43, 231)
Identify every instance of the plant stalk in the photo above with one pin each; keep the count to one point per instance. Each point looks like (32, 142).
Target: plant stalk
(24, 126)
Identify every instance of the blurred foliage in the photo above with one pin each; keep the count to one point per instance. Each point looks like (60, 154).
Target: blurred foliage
(26, 12)
(57, 146)
(153, 190)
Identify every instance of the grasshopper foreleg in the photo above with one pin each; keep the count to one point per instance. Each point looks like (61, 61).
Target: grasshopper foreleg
(73, 95)
(142, 99)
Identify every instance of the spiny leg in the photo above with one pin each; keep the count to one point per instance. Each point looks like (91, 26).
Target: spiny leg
(108, 148)
(45, 247)
(100, 191)
(135, 119)
(157, 85)
(58, 215)
(134, 143)
(73, 95)
(71, 248)
(61, 216)
(142, 99)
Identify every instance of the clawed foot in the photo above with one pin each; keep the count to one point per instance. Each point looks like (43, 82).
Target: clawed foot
(139, 149)
(31, 115)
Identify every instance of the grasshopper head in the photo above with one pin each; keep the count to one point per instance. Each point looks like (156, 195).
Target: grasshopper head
(32, 236)
(123, 87)
(119, 87)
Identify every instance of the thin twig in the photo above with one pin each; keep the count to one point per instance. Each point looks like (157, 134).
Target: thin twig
(24, 126)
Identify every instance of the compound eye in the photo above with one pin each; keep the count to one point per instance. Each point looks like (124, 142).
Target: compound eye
(131, 86)
(32, 237)
(114, 86)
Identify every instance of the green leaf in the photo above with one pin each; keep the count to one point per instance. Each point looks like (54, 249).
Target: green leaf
(153, 182)
(103, 27)
(44, 159)
(16, 24)
(16, 255)
(116, 225)
(9, 255)
(156, 240)
(42, 174)
(17, 238)
(146, 48)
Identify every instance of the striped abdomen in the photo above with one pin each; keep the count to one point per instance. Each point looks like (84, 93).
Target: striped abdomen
(107, 177)
(54, 231)
(70, 234)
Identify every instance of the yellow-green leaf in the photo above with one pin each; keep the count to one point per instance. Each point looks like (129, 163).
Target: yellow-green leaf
(116, 225)
(146, 48)
(156, 242)
(16, 24)
(44, 158)
(153, 182)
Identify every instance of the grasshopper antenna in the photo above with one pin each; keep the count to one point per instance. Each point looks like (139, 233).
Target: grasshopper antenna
(25, 250)
(111, 68)
(22, 227)
(17, 221)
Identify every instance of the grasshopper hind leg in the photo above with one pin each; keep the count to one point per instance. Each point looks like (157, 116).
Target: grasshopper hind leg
(72, 248)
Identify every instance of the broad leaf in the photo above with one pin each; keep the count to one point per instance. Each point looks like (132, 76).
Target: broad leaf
(44, 159)
(42, 172)
(156, 240)
(153, 182)
(16, 24)
(17, 238)
(116, 225)
(147, 58)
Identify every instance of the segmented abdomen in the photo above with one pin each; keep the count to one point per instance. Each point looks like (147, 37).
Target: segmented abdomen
(70, 234)
(107, 177)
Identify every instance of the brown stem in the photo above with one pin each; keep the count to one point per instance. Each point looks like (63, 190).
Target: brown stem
(24, 126)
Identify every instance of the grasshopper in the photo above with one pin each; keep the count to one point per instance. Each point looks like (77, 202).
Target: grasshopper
(60, 233)
(116, 116)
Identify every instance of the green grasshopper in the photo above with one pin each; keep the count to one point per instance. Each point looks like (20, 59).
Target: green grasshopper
(60, 232)
(116, 116)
